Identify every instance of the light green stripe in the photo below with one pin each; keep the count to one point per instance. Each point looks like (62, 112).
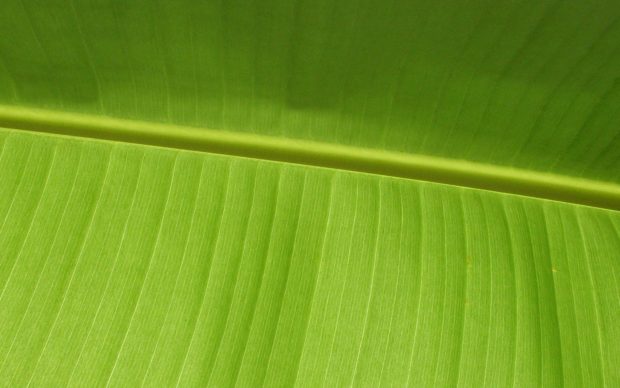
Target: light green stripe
(427, 168)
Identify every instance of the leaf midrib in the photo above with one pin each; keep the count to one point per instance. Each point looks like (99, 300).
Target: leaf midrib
(410, 166)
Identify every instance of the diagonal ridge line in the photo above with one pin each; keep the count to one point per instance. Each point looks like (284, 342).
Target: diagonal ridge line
(374, 161)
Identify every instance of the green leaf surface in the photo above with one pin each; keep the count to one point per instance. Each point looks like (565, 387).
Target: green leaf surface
(526, 83)
(160, 263)
(128, 265)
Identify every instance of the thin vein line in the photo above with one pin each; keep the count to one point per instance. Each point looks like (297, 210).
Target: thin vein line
(17, 187)
(71, 277)
(421, 258)
(467, 252)
(228, 306)
(331, 348)
(592, 289)
(122, 240)
(372, 287)
(318, 276)
(259, 288)
(288, 272)
(549, 260)
(556, 89)
(538, 290)
(11, 78)
(532, 33)
(235, 290)
(398, 280)
(148, 270)
(444, 290)
(4, 141)
(511, 256)
(158, 44)
(202, 299)
(572, 295)
(485, 214)
(36, 212)
(176, 281)
(616, 238)
(91, 63)
(551, 55)
(39, 43)
(46, 261)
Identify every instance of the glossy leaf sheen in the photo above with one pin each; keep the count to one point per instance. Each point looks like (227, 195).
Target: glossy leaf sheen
(531, 84)
(128, 265)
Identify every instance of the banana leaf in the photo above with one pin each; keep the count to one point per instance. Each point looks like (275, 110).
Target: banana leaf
(309, 193)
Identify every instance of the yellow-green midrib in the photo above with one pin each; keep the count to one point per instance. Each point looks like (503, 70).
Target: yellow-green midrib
(420, 167)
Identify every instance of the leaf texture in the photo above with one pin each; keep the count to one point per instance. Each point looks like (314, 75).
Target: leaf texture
(132, 265)
(127, 265)
(530, 84)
